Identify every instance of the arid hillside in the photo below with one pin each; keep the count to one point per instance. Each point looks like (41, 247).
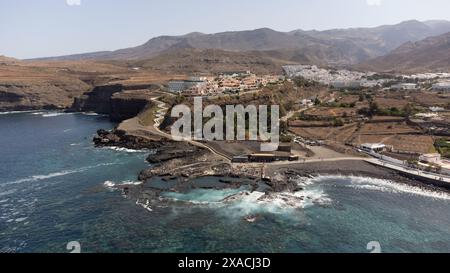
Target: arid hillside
(429, 55)
(29, 85)
(330, 47)
(210, 61)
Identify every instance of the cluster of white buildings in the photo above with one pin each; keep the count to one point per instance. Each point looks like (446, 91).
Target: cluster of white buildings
(405, 86)
(428, 76)
(335, 78)
(426, 161)
(442, 86)
(341, 79)
(433, 160)
(231, 82)
(441, 80)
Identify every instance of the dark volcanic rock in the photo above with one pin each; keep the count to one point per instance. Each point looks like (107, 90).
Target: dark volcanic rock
(173, 150)
(10, 97)
(128, 104)
(120, 139)
(113, 100)
(97, 100)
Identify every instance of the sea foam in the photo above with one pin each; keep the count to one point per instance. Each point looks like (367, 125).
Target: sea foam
(376, 184)
(36, 178)
(125, 150)
(111, 184)
(242, 202)
(16, 112)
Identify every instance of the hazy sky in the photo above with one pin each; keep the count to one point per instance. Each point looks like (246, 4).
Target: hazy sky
(37, 28)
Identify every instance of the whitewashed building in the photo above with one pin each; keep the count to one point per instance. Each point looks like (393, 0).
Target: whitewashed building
(442, 86)
(404, 86)
(373, 147)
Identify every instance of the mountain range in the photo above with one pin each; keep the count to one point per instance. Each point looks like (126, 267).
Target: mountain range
(7, 60)
(430, 54)
(336, 47)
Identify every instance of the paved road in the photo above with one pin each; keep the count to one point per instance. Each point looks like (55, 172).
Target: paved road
(160, 114)
(306, 161)
(290, 114)
(433, 176)
(322, 154)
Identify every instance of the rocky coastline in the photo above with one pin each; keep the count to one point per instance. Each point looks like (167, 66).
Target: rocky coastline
(116, 100)
(172, 160)
(175, 167)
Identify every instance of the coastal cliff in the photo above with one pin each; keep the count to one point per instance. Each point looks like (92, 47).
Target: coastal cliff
(98, 100)
(128, 104)
(118, 101)
(21, 96)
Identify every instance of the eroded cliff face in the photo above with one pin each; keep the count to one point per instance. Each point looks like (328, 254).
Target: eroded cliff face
(21, 96)
(128, 104)
(36, 85)
(9, 97)
(97, 100)
(118, 101)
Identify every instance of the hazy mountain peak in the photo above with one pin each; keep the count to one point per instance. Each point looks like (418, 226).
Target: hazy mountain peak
(331, 47)
(430, 54)
(7, 60)
(193, 34)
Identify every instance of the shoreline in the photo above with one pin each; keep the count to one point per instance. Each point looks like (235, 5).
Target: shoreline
(351, 168)
(184, 162)
(161, 166)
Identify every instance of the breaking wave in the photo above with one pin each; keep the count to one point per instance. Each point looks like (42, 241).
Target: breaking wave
(16, 112)
(47, 114)
(36, 178)
(242, 202)
(90, 114)
(111, 184)
(125, 150)
(388, 186)
(57, 114)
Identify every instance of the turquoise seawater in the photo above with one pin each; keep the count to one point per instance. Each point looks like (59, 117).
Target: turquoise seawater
(52, 191)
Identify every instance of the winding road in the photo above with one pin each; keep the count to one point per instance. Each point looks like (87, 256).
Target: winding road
(161, 113)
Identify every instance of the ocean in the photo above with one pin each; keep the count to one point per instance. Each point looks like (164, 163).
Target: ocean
(55, 188)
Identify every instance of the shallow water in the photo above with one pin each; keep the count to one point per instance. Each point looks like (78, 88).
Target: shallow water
(54, 189)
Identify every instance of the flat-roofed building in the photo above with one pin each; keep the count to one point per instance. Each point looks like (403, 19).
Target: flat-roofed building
(442, 86)
(240, 159)
(272, 157)
(179, 86)
(404, 86)
(431, 158)
(345, 84)
(373, 147)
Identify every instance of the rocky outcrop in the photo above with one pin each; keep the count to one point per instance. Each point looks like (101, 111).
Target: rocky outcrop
(174, 150)
(118, 101)
(21, 96)
(10, 97)
(97, 100)
(128, 104)
(179, 163)
(118, 138)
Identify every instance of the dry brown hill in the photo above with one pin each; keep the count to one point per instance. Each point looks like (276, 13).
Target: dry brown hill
(331, 47)
(429, 55)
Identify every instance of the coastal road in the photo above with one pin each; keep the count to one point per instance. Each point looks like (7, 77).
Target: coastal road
(290, 114)
(419, 173)
(321, 154)
(161, 113)
(306, 161)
